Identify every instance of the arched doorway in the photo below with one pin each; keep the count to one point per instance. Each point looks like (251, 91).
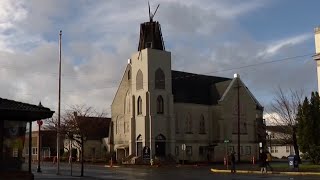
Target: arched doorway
(139, 145)
(160, 145)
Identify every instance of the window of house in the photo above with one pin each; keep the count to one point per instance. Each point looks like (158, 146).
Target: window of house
(160, 105)
(139, 80)
(159, 79)
(241, 150)
(189, 150)
(287, 149)
(248, 150)
(188, 124)
(15, 152)
(274, 149)
(139, 105)
(202, 125)
(34, 151)
(177, 151)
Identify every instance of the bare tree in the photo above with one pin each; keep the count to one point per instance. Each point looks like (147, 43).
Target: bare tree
(71, 126)
(283, 113)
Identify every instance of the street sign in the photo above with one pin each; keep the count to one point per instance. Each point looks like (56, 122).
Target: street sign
(183, 147)
(39, 122)
(146, 153)
(226, 141)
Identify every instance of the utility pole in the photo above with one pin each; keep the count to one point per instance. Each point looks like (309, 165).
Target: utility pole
(59, 104)
(238, 102)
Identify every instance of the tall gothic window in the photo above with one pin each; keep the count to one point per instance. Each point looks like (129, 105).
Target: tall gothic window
(202, 125)
(127, 103)
(129, 74)
(139, 80)
(188, 124)
(139, 105)
(160, 79)
(160, 108)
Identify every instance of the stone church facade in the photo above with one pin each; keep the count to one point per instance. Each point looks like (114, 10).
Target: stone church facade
(163, 109)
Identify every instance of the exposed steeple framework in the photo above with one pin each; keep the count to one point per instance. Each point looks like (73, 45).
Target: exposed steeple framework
(150, 34)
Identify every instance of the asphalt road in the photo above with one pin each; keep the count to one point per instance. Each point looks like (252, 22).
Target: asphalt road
(95, 172)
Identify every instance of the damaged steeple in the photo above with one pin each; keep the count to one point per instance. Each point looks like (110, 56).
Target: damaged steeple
(150, 34)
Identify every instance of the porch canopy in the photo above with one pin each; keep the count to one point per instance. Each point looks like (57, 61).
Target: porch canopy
(14, 117)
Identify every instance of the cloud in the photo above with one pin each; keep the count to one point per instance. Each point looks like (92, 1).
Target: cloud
(99, 36)
(275, 47)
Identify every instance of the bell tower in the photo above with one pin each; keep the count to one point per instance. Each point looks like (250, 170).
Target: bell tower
(316, 57)
(152, 92)
(150, 34)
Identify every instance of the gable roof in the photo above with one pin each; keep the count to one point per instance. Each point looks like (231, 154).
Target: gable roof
(95, 128)
(258, 105)
(196, 88)
(11, 109)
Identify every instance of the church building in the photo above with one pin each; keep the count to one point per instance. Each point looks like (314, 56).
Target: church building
(182, 115)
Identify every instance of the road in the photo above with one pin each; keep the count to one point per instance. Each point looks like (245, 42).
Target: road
(95, 172)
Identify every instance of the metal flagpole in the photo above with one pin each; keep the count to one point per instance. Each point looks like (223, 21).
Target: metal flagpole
(59, 103)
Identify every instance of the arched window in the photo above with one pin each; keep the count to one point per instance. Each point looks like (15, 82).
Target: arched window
(127, 103)
(202, 125)
(160, 79)
(160, 105)
(129, 74)
(139, 105)
(188, 124)
(139, 80)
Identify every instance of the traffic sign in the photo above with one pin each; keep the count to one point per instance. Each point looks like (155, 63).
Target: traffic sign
(226, 141)
(183, 147)
(39, 122)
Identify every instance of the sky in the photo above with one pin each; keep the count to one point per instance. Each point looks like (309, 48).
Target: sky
(213, 37)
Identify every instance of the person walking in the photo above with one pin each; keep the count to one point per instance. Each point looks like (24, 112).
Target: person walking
(233, 162)
(263, 162)
(268, 160)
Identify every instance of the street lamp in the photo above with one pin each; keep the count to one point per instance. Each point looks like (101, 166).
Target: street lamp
(39, 122)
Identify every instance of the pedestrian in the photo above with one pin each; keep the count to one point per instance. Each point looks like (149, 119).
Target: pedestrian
(263, 162)
(233, 162)
(269, 158)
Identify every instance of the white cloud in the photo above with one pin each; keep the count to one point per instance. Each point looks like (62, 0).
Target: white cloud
(99, 36)
(275, 47)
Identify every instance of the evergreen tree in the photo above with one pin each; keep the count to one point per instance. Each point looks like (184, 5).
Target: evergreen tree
(308, 117)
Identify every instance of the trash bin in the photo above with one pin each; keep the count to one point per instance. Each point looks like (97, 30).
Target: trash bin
(293, 162)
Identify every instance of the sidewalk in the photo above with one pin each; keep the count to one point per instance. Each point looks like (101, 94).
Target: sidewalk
(278, 168)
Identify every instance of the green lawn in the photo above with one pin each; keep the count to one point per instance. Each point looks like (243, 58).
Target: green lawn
(306, 167)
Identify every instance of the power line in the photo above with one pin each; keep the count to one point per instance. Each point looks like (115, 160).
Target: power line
(193, 74)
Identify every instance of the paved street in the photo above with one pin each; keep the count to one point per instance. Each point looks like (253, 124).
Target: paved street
(99, 172)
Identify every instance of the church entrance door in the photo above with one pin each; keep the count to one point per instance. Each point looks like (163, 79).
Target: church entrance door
(160, 145)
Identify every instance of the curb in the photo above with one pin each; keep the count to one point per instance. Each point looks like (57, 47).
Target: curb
(108, 166)
(259, 172)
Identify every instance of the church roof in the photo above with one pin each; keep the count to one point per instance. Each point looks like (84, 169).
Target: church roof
(198, 89)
